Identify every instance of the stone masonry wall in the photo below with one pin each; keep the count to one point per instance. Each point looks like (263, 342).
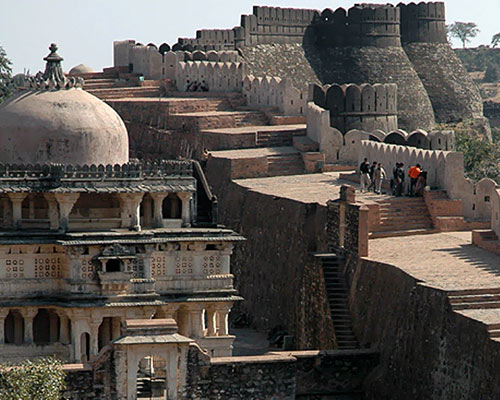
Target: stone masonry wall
(275, 272)
(251, 380)
(453, 95)
(427, 350)
(379, 65)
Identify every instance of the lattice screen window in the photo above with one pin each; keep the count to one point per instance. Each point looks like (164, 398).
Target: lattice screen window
(183, 264)
(158, 266)
(14, 268)
(88, 269)
(211, 265)
(47, 267)
(136, 266)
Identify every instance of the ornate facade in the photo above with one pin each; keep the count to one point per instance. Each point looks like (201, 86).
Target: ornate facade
(85, 247)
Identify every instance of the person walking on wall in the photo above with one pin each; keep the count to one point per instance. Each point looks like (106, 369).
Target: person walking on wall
(414, 173)
(372, 171)
(421, 183)
(400, 179)
(378, 176)
(364, 170)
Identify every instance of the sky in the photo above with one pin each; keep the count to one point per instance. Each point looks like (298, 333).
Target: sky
(85, 30)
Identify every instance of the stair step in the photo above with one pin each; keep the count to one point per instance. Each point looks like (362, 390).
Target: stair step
(476, 305)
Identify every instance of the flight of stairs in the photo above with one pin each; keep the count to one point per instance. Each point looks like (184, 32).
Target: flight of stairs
(483, 300)
(403, 216)
(274, 139)
(339, 301)
(285, 164)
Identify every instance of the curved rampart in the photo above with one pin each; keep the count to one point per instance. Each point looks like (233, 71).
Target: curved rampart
(362, 25)
(423, 22)
(367, 107)
(453, 95)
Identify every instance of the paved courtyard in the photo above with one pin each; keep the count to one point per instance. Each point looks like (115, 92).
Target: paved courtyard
(443, 260)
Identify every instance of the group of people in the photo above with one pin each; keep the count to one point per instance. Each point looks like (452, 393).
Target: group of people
(196, 86)
(372, 176)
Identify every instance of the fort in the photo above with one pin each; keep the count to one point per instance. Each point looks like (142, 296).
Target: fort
(151, 257)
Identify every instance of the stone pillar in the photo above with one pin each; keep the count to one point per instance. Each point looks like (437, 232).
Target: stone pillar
(3, 314)
(66, 202)
(28, 315)
(53, 211)
(64, 331)
(130, 210)
(158, 208)
(94, 337)
(211, 323)
(115, 328)
(17, 202)
(363, 231)
(7, 220)
(222, 320)
(186, 209)
(76, 333)
(197, 322)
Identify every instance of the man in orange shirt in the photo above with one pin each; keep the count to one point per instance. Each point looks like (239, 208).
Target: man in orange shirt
(414, 173)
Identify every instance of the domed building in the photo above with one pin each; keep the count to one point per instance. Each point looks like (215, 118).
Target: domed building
(89, 239)
(80, 69)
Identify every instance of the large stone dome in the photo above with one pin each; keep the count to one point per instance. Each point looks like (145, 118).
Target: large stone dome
(63, 124)
(67, 126)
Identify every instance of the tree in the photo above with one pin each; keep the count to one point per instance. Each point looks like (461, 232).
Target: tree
(42, 379)
(495, 40)
(492, 74)
(5, 75)
(464, 31)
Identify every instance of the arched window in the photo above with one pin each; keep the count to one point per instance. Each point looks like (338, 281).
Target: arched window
(14, 328)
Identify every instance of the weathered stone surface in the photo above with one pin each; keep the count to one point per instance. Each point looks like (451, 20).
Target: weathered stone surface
(453, 95)
(281, 282)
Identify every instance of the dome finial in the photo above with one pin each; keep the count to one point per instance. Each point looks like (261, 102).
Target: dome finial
(53, 70)
(53, 78)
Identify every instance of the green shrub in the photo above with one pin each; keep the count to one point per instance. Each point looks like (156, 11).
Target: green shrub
(481, 158)
(42, 379)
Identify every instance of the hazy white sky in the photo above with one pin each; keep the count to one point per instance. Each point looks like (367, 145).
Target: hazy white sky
(85, 29)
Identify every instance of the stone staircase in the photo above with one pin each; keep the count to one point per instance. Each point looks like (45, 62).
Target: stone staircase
(402, 216)
(285, 164)
(125, 92)
(274, 138)
(474, 299)
(338, 300)
(482, 304)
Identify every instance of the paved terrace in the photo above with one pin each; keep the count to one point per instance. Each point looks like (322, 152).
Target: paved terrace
(308, 188)
(446, 261)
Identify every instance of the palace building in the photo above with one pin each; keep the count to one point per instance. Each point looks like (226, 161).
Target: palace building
(90, 238)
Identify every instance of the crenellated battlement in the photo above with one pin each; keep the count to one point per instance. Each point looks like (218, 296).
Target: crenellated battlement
(365, 106)
(362, 25)
(423, 22)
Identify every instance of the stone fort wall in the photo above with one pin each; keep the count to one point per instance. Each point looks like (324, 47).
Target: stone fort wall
(274, 92)
(445, 170)
(345, 147)
(367, 107)
(453, 95)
